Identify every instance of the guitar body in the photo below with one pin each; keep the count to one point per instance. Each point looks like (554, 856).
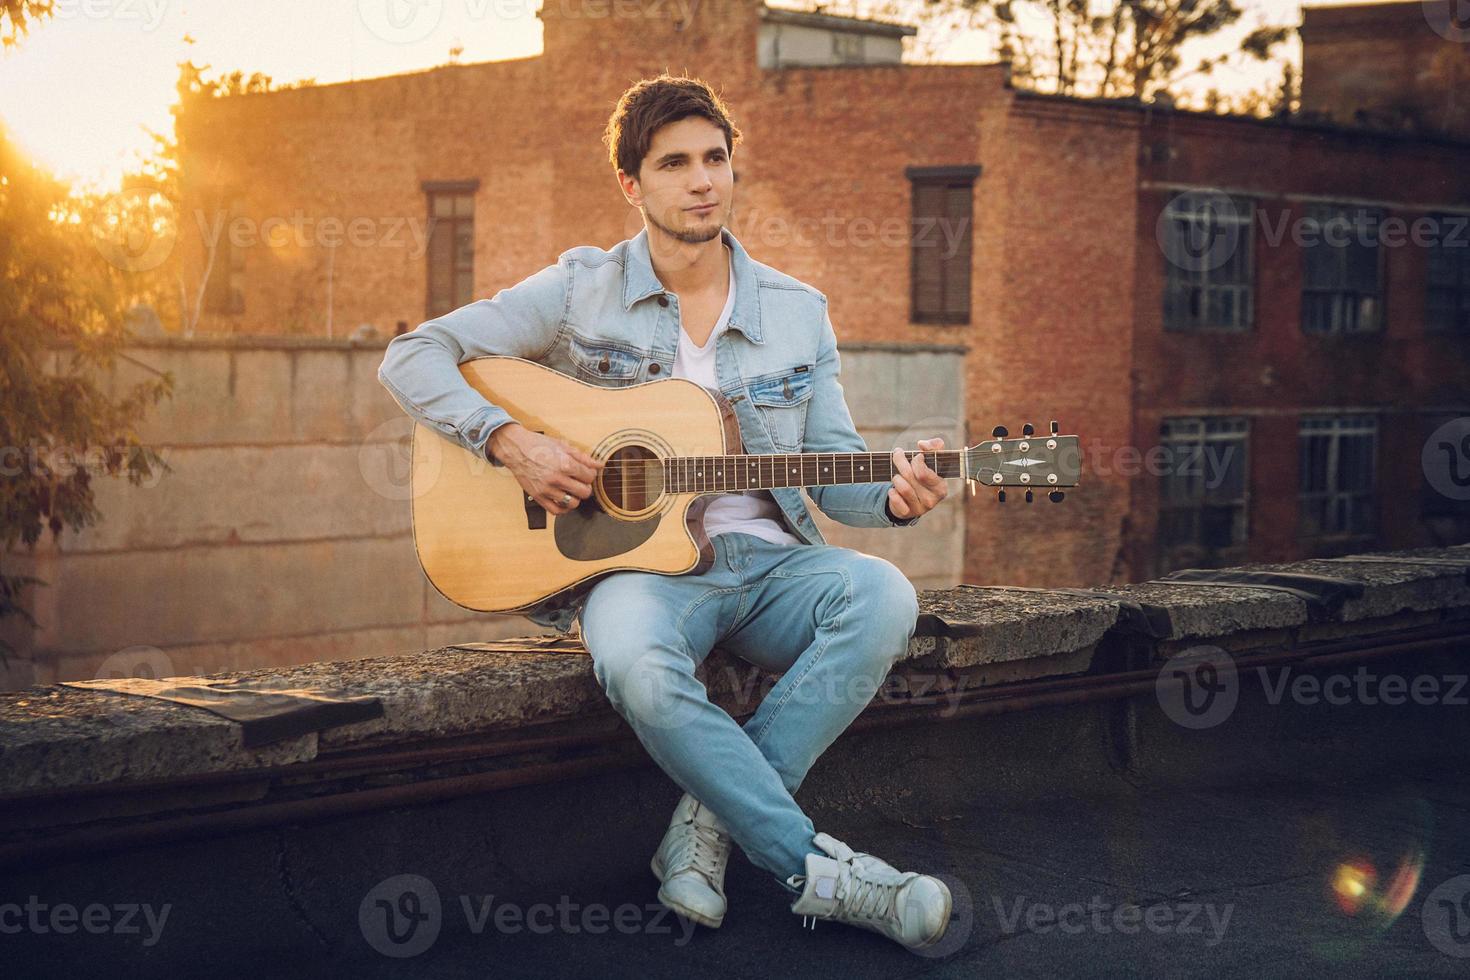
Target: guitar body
(484, 546)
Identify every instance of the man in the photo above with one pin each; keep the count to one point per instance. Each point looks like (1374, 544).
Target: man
(684, 299)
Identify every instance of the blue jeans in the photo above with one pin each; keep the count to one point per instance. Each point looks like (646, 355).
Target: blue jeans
(834, 620)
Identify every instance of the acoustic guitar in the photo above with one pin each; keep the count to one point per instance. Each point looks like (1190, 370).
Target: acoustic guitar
(670, 446)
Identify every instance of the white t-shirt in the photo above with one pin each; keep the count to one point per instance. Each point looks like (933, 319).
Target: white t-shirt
(749, 511)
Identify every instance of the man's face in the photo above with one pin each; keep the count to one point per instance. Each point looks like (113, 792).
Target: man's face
(687, 165)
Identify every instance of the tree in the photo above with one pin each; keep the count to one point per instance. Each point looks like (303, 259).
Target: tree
(1132, 49)
(62, 308)
(14, 15)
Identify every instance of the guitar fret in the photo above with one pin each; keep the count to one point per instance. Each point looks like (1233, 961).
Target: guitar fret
(763, 471)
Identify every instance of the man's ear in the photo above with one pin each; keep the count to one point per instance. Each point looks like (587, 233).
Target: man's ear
(634, 196)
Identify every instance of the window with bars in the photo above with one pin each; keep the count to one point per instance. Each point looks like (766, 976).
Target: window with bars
(1203, 495)
(1338, 474)
(940, 246)
(1447, 300)
(1342, 270)
(1209, 267)
(224, 289)
(451, 253)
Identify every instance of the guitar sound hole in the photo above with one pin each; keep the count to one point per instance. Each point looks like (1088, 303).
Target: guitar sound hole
(633, 478)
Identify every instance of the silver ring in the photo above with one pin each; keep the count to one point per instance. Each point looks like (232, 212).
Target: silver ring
(566, 500)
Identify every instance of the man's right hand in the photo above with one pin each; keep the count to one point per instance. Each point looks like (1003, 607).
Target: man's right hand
(546, 468)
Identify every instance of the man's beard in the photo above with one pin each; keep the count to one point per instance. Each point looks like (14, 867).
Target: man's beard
(693, 236)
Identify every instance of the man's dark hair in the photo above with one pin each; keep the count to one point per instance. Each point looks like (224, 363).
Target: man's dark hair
(655, 102)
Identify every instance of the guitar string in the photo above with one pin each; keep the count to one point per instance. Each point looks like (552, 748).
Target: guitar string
(640, 469)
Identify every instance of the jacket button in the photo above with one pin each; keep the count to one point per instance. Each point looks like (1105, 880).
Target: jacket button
(653, 368)
(663, 301)
(603, 365)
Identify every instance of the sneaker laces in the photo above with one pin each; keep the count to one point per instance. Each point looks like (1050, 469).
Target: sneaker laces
(698, 846)
(868, 898)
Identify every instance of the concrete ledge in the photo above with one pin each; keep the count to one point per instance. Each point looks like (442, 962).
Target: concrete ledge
(55, 738)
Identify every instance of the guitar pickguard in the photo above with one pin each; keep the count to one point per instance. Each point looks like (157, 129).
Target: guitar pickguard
(590, 533)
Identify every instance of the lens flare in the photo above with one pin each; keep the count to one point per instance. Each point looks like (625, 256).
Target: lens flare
(1356, 888)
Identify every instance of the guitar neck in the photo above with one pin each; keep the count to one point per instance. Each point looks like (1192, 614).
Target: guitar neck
(701, 474)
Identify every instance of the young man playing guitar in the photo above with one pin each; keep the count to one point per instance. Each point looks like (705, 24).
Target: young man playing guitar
(683, 299)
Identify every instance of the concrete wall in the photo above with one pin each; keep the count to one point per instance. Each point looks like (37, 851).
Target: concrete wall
(282, 534)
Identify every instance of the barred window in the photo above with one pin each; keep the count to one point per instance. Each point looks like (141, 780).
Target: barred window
(451, 245)
(1342, 274)
(1204, 489)
(1209, 267)
(1338, 474)
(1447, 302)
(943, 214)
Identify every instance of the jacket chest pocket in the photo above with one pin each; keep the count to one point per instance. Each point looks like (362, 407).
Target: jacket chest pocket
(602, 363)
(781, 400)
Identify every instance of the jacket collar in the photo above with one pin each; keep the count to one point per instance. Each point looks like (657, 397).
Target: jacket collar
(640, 282)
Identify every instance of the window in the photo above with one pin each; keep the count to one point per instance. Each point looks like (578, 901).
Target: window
(939, 270)
(451, 245)
(1447, 303)
(1202, 498)
(1209, 272)
(1338, 463)
(224, 289)
(1342, 281)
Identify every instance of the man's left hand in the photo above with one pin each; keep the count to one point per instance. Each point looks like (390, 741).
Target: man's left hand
(916, 488)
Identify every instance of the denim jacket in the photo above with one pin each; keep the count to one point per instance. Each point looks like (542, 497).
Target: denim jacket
(603, 316)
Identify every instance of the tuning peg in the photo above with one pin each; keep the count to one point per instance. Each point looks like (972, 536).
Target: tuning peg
(1030, 496)
(1055, 428)
(1000, 496)
(999, 432)
(1055, 496)
(1028, 429)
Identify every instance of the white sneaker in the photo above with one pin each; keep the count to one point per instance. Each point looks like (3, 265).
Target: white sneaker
(691, 862)
(861, 890)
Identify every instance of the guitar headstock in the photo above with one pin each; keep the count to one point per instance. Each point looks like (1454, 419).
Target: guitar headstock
(1035, 462)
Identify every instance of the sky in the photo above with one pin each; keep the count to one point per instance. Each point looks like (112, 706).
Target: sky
(81, 90)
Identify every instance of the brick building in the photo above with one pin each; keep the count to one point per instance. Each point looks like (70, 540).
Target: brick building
(1147, 276)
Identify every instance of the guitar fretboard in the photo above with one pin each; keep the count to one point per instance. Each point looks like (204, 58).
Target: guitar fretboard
(696, 474)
